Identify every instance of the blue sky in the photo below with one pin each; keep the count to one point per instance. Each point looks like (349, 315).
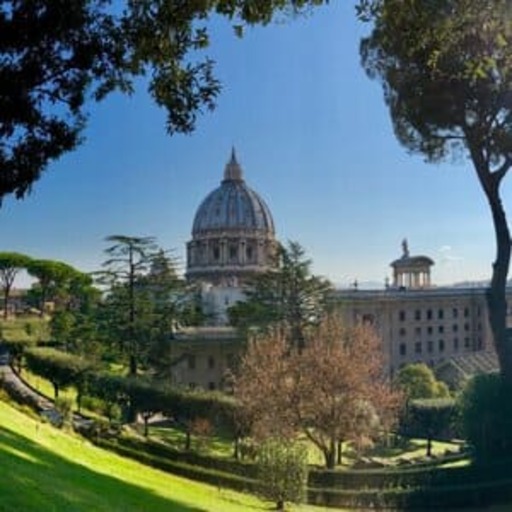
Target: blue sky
(314, 138)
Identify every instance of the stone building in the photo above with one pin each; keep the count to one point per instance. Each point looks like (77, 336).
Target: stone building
(233, 238)
(420, 322)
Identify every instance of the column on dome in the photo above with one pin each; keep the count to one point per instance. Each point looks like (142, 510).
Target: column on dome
(241, 256)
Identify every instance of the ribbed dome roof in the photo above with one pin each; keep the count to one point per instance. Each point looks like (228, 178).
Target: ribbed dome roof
(233, 206)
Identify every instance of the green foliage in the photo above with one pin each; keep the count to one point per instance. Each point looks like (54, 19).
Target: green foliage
(71, 52)
(486, 413)
(60, 368)
(282, 471)
(288, 294)
(418, 381)
(64, 406)
(430, 419)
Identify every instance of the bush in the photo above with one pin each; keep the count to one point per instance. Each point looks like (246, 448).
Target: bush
(486, 414)
(282, 471)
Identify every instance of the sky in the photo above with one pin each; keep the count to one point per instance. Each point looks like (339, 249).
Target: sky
(314, 138)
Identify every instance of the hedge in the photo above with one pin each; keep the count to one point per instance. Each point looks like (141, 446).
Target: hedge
(199, 473)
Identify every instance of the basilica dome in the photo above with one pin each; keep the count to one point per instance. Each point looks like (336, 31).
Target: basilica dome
(233, 206)
(232, 234)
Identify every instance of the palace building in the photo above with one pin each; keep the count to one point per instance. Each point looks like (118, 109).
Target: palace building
(420, 322)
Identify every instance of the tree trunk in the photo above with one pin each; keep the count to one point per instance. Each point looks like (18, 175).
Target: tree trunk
(340, 452)
(187, 440)
(133, 366)
(55, 390)
(496, 294)
(6, 301)
(280, 505)
(146, 419)
(236, 451)
(330, 455)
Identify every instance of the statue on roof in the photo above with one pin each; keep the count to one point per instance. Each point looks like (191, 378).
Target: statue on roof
(405, 248)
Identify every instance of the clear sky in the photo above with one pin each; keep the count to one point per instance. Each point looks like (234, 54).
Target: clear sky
(315, 141)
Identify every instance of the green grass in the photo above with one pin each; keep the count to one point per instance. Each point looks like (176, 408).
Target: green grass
(25, 328)
(47, 469)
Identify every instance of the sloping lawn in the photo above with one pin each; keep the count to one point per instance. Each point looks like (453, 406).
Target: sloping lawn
(46, 469)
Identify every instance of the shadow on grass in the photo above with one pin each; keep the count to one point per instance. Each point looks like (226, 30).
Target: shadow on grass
(35, 478)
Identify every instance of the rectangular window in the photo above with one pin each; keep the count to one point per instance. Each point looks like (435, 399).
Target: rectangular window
(417, 331)
(401, 316)
(441, 345)
(429, 314)
(455, 313)
(440, 314)
(467, 342)
(211, 362)
(455, 344)
(417, 347)
(403, 349)
(430, 329)
(417, 314)
(466, 312)
(440, 329)
(455, 328)
(430, 347)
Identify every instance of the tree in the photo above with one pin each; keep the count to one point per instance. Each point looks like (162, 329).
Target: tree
(61, 369)
(418, 381)
(10, 264)
(129, 260)
(54, 56)
(446, 70)
(53, 278)
(283, 471)
(287, 294)
(333, 389)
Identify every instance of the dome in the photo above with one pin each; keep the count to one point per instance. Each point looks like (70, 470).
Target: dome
(233, 206)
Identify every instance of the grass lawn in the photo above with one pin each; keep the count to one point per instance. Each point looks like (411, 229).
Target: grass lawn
(47, 469)
(25, 328)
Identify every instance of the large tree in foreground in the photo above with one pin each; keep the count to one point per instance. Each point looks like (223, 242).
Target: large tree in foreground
(334, 389)
(57, 55)
(446, 70)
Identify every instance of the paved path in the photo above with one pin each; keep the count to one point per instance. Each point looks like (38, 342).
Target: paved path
(41, 403)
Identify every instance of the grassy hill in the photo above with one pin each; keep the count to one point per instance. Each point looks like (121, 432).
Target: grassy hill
(47, 469)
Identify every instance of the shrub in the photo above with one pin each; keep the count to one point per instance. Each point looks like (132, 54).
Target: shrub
(486, 416)
(282, 470)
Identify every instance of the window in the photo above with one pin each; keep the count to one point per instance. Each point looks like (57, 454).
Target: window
(466, 327)
(430, 347)
(440, 314)
(466, 342)
(466, 312)
(455, 344)
(191, 362)
(233, 252)
(479, 326)
(455, 327)
(455, 313)
(441, 345)
(429, 314)
(430, 329)
(417, 314)
(401, 316)
(402, 331)
(403, 349)
(417, 347)
(211, 362)
(440, 329)
(211, 386)
(417, 331)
